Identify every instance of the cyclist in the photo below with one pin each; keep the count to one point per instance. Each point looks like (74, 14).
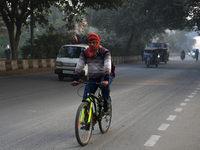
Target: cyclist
(99, 68)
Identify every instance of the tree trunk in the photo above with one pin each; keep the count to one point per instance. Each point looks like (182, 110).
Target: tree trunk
(129, 44)
(14, 40)
(13, 37)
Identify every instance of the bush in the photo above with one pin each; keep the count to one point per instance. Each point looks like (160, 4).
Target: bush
(47, 44)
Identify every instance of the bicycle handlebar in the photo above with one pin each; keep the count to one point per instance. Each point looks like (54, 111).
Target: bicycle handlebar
(81, 81)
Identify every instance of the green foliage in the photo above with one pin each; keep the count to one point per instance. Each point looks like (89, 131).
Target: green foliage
(3, 29)
(139, 21)
(111, 41)
(172, 14)
(15, 14)
(178, 40)
(4, 40)
(47, 44)
(25, 50)
(128, 25)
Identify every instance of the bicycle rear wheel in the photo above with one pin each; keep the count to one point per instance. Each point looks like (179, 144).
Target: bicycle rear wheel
(83, 129)
(105, 121)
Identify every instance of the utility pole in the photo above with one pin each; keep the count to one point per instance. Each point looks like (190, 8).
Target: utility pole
(32, 31)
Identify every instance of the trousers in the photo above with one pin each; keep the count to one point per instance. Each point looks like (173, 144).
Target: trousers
(93, 88)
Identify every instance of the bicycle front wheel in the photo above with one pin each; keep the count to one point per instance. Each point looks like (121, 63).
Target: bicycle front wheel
(105, 121)
(83, 127)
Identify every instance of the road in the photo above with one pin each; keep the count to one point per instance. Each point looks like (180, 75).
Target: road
(153, 109)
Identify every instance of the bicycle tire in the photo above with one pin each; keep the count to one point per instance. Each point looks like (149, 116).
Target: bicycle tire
(83, 130)
(105, 121)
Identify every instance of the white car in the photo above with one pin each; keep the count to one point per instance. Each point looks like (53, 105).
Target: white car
(67, 59)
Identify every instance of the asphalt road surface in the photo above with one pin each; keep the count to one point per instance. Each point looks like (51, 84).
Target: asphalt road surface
(153, 109)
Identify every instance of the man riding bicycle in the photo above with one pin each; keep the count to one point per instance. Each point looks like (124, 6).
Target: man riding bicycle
(99, 68)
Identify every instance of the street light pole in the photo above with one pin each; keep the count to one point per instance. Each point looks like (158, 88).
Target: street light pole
(32, 32)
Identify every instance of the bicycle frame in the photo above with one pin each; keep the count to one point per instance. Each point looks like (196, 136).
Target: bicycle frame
(91, 99)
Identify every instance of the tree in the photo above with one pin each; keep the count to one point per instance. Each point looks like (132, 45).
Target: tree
(16, 12)
(127, 23)
(141, 20)
(173, 14)
(47, 44)
(178, 40)
(2, 27)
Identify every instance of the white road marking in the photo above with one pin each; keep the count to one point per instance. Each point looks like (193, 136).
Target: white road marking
(183, 104)
(178, 109)
(171, 117)
(198, 88)
(152, 140)
(187, 100)
(32, 110)
(191, 96)
(193, 93)
(163, 127)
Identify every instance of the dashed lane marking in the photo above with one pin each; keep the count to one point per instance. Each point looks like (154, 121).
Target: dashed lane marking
(178, 109)
(183, 104)
(152, 140)
(163, 127)
(187, 100)
(171, 117)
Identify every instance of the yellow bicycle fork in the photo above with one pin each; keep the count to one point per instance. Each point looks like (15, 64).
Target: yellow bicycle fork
(89, 113)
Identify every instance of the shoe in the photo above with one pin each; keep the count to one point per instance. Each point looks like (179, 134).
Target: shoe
(106, 110)
(87, 127)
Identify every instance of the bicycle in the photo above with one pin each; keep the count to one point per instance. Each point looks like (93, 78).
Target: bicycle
(90, 112)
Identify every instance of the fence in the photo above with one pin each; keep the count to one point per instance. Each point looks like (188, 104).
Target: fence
(39, 65)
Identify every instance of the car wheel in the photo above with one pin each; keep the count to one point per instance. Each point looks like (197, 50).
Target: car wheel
(60, 77)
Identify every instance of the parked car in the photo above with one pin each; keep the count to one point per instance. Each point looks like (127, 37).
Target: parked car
(67, 59)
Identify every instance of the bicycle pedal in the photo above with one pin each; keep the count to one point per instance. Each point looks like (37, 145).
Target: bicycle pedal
(106, 113)
(83, 128)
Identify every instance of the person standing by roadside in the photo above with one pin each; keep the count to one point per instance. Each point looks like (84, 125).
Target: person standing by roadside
(197, 54)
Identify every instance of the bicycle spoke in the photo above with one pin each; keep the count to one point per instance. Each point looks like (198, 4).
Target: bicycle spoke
(83, 129)
(105, 121)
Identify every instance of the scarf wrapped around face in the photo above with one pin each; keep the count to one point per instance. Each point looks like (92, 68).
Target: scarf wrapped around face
(93, 37)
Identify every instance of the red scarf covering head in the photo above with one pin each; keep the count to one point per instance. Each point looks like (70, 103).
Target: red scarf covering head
(93, 37)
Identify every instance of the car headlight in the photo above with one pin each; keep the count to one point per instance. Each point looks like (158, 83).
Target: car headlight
(58, 63)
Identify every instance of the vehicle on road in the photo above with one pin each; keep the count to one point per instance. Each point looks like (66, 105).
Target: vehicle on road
(67, 59)
(162, 55)
(192, 53)
(90, 112)
(189, 53)
(182, 54)
(163, 51)
(151, 56)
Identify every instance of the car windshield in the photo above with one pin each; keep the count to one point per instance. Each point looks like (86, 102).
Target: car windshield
(70, 51)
